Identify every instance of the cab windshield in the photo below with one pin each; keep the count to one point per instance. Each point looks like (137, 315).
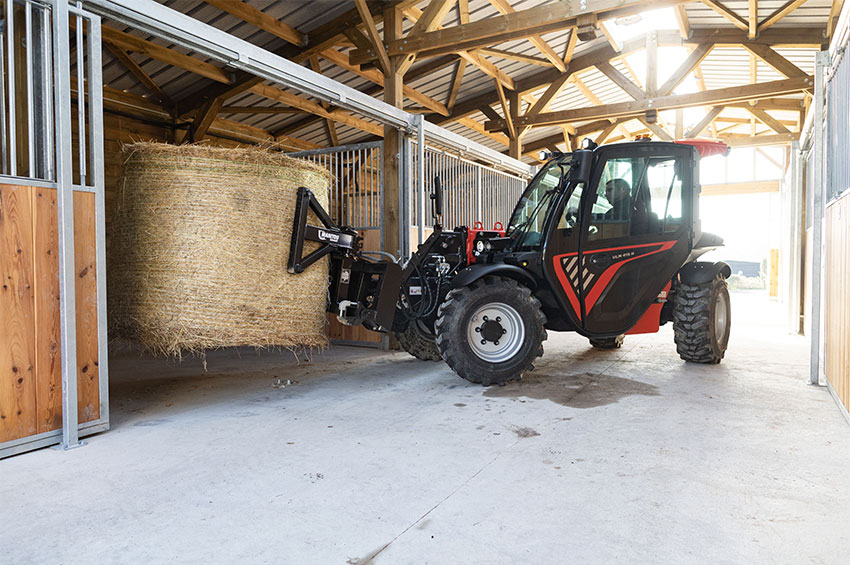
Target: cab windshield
(526, 224)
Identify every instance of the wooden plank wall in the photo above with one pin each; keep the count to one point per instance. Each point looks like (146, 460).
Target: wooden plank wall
(837, 330)
(30, 381)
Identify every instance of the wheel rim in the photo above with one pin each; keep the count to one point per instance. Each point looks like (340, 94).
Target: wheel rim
(495, 332)
(721, 317)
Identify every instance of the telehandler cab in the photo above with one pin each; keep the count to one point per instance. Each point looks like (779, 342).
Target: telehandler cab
(604, 242)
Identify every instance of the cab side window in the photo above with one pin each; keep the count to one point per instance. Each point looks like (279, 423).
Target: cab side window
(637, 196)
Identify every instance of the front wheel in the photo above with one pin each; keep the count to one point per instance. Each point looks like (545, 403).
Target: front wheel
(491, 331)
(702, 318)
(419, 342)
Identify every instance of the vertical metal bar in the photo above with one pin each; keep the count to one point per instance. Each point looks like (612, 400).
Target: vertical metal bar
(65, 213)
(420, 175)
(81, 98)
(30, 109)
(97, 181)
(4, 165)
(819, 188)
(478, 189)
(10, 73)
(47, 74)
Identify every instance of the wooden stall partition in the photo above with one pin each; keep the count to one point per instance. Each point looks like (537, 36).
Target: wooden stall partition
(837, 299)
(30, 377)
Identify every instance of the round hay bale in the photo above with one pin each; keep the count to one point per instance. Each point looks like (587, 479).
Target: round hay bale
(199, 245)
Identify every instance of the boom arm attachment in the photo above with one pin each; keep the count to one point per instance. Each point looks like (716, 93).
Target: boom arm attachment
(362, 291)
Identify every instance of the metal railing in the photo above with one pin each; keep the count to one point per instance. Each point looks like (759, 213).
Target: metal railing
(356, 183)
(471, 192)
(50, 55)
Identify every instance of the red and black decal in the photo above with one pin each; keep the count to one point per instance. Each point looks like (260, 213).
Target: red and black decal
(590, 284)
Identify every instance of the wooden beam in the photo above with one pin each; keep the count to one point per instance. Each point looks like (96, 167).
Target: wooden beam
(504, 7)
(656, 129)
(651, 63)
(204, 119)
(759, 140)
(329, 123)
(687, 67)
(778, 62)
(131, 65)
(376, 77)
(600, 139)
(338, 116)
(393, 95)
(637, 107)
(834, 14)
(515, 145)
(260, 19)
(503, 54)
(790, 37)
(570, 48)
(548, 95)
(413, 14)
(456, 82)
(768, 120)
(735, 188)
(322, 37)
(724, 11)
(780, 13)
(509, 121)
(682, 21)
(621, 80)
(753, 19)
(613, 42)
(593, 99)
(259, 110)
(430, 66)
(163, 54)
(533, 21)
(704, 122)
(374, 38)
(432, 17)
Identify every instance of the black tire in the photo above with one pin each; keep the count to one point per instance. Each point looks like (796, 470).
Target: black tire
(608, 342)
(702, 320)
(459, 320)
(419, 342)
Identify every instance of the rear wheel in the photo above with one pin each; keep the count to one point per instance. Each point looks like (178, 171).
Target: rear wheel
(702, 318)
(491, 331)
(608, 342)
(419, 342)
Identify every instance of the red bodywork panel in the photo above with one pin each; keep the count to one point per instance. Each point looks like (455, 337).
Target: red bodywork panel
(706, 147)
(595, 290)
(651, 319)
(478, 228)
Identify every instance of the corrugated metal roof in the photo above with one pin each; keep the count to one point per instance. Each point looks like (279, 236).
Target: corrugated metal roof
(724, 66)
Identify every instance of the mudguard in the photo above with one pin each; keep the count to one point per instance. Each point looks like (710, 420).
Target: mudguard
(702, 272)
(475, 272)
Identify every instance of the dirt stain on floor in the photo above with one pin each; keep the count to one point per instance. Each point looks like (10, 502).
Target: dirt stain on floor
(585, 390)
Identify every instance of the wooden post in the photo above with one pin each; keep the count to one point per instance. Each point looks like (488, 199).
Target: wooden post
(515, 146)
(393, 84)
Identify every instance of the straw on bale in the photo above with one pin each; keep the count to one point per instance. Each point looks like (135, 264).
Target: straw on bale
(199, 246)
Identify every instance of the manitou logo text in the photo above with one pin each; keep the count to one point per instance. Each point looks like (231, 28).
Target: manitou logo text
(328, 236)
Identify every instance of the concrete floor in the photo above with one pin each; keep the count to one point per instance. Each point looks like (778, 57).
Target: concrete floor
(599, 456)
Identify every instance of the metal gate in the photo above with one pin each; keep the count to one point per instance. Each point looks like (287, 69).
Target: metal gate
(51, 137)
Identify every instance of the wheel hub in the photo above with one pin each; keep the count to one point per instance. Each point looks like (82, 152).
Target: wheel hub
(495, 332)
(491, 330)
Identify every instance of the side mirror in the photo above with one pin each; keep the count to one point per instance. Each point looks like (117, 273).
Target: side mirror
(580, 166)
(437, 197)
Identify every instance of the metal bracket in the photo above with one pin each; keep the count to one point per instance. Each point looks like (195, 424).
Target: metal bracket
(331, 236)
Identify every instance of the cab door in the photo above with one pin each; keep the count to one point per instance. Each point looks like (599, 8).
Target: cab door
(636, 218)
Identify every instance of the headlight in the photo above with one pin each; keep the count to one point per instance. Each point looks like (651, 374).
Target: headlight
(487, 246)
(479, 246)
